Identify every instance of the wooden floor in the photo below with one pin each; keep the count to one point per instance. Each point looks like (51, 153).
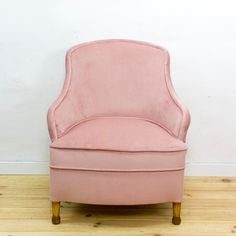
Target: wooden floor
(208, 209)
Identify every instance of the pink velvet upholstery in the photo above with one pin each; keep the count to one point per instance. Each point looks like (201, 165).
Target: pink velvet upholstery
(117, 129)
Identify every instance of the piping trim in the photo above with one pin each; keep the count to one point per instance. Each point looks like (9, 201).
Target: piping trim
(116, 170)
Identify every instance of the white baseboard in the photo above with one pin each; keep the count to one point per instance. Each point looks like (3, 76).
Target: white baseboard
(24, 168)
(192, 169)
(210, 169)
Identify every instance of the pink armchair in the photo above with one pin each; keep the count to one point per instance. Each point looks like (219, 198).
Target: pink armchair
(117, 129)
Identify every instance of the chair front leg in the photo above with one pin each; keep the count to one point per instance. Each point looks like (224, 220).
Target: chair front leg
(56, 213)
(176, 220)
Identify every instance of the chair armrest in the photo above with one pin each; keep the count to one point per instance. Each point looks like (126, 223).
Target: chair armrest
(184, 124)
(51, 122)
(51, 115)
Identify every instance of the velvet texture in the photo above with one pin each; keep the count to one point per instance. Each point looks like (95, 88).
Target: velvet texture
(118, 130)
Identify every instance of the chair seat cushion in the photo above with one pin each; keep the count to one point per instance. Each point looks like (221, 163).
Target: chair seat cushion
(118, 144)
(119, 134)
(113, 161)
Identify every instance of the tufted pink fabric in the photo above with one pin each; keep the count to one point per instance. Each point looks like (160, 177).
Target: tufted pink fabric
(117, 129)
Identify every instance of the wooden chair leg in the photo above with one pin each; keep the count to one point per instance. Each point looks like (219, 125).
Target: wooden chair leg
(56, 213)
(176, 220)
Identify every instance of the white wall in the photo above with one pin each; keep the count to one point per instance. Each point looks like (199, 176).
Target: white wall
(201, 38)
